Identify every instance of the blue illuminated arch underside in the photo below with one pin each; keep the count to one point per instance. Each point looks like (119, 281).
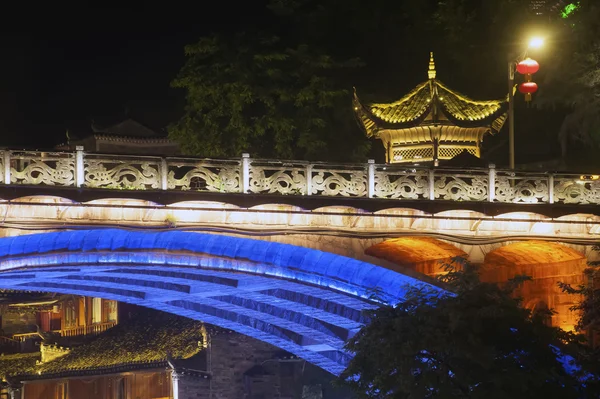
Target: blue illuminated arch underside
(304, 301)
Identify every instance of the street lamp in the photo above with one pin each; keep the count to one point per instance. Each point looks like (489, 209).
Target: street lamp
(534, 43)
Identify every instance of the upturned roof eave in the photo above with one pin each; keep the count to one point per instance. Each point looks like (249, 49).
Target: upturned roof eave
(372, 124)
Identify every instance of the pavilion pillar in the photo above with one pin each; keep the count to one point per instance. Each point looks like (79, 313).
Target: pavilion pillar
(388, 152)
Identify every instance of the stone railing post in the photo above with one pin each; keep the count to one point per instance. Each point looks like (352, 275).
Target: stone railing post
(79, 168)
(308, 173)
(164, 174)
(492, 182)
(245, 173)
(6, 161)
(431, 181)
(551, 188)
(370, 178)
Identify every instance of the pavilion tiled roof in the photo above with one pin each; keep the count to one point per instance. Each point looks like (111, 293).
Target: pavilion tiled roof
(415, 108)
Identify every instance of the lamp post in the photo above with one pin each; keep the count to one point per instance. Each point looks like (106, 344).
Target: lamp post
(511, 114)
(535, 42)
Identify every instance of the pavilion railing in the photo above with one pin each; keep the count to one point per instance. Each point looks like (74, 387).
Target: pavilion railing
(259, 176)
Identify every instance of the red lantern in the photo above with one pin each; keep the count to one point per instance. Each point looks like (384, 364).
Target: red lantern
(528, 66)
(528, 88)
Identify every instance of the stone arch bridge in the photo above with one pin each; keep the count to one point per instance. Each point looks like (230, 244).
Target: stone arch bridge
(378, 218)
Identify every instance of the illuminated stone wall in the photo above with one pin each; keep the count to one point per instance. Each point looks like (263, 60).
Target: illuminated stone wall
(547, 263)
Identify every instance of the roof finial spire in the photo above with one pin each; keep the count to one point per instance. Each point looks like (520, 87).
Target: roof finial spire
(431, 71)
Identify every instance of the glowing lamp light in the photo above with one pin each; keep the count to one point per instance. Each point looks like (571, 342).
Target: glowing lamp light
(536, 42)
(528, 88)
(528, 66)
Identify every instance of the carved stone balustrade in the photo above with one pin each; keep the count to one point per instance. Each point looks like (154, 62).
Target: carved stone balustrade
(259, 176)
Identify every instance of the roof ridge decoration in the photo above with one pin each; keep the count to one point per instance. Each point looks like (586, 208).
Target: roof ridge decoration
(467, 99)
(431, 71)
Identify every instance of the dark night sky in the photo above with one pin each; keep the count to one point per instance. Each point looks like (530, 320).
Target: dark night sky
(63, 71)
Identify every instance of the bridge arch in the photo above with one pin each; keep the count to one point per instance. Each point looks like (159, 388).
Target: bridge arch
(547, 263)
(304, 301)
(422, 254)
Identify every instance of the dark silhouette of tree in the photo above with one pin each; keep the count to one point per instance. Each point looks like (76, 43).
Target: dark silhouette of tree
(474, 341)
(574, 74)
(252, 93)
(589, 304)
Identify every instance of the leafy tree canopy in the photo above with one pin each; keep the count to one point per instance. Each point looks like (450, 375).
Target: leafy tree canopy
(472, 342)
(589, 305)
(285, 92)
(251, 93)
(573, 79)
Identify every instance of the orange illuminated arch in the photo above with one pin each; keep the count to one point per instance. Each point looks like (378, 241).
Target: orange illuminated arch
(423, 254)
(547, 263)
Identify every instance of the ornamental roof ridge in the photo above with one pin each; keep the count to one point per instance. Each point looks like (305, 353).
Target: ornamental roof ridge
(431, 70)
(131, 139)
(467, 99)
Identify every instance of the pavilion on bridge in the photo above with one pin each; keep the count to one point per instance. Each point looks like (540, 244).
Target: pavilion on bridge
(431, 123)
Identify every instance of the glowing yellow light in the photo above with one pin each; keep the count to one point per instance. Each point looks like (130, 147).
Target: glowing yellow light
(536, 42)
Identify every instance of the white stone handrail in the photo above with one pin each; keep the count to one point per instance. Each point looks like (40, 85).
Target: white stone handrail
(259, 176)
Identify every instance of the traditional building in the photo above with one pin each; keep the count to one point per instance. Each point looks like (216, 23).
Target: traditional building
(127, 137)
(431, 123)
(27, 318)
(155, 355)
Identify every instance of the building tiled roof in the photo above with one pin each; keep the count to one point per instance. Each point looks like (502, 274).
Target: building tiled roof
(127, 128)
(138, 343)
(20, 363)
(416, 108)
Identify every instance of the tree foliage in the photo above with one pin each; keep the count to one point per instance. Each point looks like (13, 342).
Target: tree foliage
(474, 341)
(574, 73)
(589, 305)
(284, 92)
(254, 94)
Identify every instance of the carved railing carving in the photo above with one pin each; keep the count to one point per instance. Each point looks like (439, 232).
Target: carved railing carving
(521, 188)
(122, 174)
(400, 183)
(246, 175)
(51, 169)
(203, 175)
(334, 180)
(278, 178)
(572, 191)
(456, 185)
